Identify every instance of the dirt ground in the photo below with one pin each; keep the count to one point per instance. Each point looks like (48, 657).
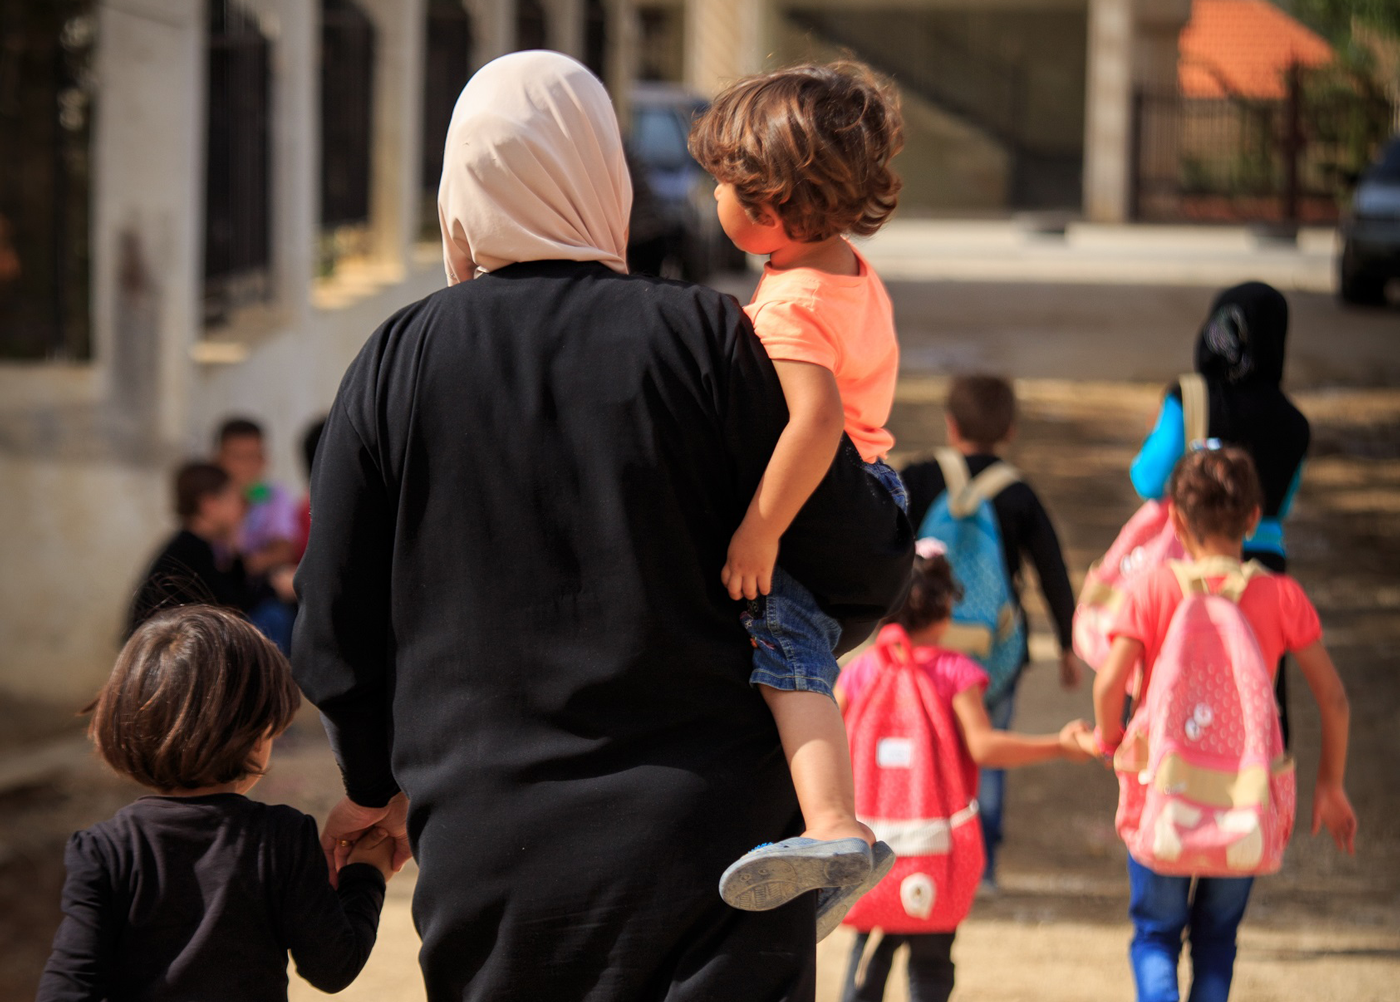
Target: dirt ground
(1327, 927)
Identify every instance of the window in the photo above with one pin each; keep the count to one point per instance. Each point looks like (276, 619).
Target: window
(447, 68)
(46, 90)
(237, 180)
(529, 25)
(347, 106)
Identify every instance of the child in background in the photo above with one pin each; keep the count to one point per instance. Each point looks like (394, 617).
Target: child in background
(199, 564)
(981, 420)
(1240, 352)
(960, 682)
(195, 891)
(801, 157)
(1215, 499)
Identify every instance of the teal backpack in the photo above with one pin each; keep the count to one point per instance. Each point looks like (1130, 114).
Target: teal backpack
(987, 625)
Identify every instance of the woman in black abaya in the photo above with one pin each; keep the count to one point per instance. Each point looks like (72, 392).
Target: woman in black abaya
(512, 618)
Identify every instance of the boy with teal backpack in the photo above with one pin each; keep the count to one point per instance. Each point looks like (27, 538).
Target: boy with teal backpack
(988, 517)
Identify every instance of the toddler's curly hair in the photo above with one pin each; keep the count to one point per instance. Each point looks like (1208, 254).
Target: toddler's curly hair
(932, 594)
(813, 142)
(1216, 491)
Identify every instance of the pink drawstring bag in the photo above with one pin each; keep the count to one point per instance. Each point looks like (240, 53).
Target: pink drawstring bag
(1205, 787)
(907, 755)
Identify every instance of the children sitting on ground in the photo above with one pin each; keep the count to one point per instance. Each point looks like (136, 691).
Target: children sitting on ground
(981, 420)
(802, 158)
(1206, 792)
(199, 564)
(921, 903)
(1240, 355)
(195, 891)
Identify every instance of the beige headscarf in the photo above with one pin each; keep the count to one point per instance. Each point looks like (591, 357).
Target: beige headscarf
(533, 169)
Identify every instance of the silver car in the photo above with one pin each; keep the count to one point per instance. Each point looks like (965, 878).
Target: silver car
(1371, 231)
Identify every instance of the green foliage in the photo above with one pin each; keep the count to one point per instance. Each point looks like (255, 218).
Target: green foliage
(1334, 18)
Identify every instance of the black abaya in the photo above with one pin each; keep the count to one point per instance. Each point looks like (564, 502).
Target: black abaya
(511, 610)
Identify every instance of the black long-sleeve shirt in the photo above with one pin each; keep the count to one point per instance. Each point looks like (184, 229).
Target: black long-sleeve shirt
(181, 898)
(186, 571)
(1025, 528)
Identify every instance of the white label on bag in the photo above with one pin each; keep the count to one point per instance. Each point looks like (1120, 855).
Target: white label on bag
(894, 753)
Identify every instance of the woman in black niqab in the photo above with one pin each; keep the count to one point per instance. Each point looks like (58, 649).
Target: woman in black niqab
(511, 611)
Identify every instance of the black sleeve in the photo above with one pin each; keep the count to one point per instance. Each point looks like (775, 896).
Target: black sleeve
(850, 545)
(329, 931)
(340, 646)
(924, 481)
(84, 949)
(1043, 544)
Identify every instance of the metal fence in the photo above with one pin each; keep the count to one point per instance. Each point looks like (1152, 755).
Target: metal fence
(347, 105)
(237, 173)
(46, 97)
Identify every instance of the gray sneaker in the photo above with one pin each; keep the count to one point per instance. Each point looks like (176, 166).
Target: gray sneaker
(833, 904)
(776, 872)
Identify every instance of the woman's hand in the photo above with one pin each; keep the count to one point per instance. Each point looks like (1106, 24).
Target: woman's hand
(1332, 809)
(748, 572)
(348, 821)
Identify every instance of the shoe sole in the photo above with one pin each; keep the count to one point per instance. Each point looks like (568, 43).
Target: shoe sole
(829, 917)
(770, 881)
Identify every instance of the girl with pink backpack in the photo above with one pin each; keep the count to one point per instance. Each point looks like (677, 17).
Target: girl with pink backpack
(918, 732)
(1206, 790)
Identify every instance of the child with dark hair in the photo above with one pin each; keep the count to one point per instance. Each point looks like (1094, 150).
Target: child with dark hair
(195, 891)
(1215, 504)
(199, 563)
(981, 420)
(1240, 353)
(267, 538)
(802, 158)
(959, 682)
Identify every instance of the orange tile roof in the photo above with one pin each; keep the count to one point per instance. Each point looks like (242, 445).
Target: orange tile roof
(1243, 47)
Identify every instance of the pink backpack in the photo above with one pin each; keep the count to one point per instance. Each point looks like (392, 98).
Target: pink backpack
(1144, 543)
(1204, 785)
(907, 754)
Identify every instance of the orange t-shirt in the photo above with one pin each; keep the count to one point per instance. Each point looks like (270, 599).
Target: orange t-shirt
(844, 323)
(1280, 614)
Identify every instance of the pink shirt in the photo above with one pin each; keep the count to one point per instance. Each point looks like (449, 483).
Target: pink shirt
(950, 673)
(1280, 614)
(844, 323)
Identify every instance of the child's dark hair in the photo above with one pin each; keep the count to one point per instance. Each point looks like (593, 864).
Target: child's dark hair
(193, 483)
(932, 594)
(813, 142)
(1216, 491)
(192, 693)
(983, 408)
(237, 427)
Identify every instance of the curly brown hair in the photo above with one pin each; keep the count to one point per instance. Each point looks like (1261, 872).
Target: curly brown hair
(192, 694)
(1217, 492)
(932, 594)
(812, 142)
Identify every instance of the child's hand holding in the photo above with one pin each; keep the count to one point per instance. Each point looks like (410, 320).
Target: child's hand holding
(1076, 741)
(1332, 808)
(375, 847)
(748, 572)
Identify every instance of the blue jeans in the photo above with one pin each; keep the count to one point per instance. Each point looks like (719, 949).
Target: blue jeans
(991, 787)
(793, 638)
(1162, 909)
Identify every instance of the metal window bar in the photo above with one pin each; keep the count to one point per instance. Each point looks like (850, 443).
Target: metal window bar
(237, 178)
(347, 104)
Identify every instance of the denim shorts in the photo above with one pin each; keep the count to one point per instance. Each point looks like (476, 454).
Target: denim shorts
(793, 639)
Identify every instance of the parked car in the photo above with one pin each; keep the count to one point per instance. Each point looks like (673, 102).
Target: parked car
(675, 231)
(1371, 230)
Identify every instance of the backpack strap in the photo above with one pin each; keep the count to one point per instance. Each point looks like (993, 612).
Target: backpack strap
(966, 492)
(1193, 577)
(1195, 407)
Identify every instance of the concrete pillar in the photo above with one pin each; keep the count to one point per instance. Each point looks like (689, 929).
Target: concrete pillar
(564, 26)
(1108, 117)
(724, 41)
(493, 23)
(397, 127)
(148, 197)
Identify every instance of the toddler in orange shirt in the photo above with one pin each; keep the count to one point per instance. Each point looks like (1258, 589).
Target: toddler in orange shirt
(802, 158)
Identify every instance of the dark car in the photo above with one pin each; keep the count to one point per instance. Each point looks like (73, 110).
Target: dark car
(675, 231)
(1371, 230)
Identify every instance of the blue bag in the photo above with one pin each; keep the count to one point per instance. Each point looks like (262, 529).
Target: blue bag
(987, 624)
